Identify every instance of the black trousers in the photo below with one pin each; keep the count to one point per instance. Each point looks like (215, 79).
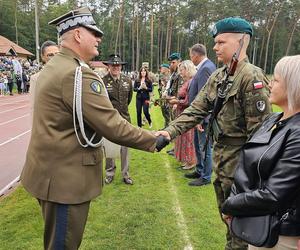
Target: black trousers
(142, 103)
(19, 85)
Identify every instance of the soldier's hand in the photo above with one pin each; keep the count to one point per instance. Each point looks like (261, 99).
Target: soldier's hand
(161, 142)
(163, 133)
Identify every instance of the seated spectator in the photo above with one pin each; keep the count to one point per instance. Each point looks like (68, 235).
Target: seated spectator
(267, 179)
(184, 144)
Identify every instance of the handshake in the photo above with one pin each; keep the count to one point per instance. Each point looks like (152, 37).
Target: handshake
(162, 140)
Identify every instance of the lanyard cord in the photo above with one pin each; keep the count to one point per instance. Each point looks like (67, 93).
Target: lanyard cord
(77, 112)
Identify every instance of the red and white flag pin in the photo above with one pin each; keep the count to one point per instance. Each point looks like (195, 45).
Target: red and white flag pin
(258, 85)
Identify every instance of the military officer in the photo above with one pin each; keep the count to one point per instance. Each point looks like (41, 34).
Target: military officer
(245, 106)
(119, 88)
(72, 112)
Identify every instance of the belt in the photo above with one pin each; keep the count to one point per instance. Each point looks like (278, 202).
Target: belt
(233, 141)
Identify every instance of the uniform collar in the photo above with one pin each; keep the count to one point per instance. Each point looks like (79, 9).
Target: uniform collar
(71, 53)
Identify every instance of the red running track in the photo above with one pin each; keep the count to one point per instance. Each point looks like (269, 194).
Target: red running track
(15, 128)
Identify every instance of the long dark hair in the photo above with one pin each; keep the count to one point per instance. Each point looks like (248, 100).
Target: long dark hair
(146, 76)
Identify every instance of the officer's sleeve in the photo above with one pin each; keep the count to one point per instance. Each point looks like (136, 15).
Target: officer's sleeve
(192, 115)
(255, 101)
(100, 115)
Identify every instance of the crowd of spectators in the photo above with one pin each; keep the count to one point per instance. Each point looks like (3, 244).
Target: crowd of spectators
(15, 71)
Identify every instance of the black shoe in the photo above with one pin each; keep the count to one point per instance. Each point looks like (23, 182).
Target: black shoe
(199, 182)
(192, 175)
(171, 151)
(128, 181)
(109, 179)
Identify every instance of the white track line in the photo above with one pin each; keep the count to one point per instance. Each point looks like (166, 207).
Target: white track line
(12, 120)
(178, 211)
(5, 111)
(14, 138)
(9, 185)
(8, 103)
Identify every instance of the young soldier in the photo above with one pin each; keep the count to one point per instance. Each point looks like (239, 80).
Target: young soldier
(245, 106)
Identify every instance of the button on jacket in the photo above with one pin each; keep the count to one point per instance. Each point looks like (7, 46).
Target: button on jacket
(267, 179)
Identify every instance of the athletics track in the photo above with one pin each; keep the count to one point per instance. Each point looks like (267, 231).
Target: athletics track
(15, 128)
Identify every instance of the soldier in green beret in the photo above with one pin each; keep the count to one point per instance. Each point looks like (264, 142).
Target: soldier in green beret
(119, 88)
(244, 108)
(72, 113)
(164, 77)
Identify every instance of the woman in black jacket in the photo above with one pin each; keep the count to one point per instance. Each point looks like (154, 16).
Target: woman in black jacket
(267, 179)
(143, 87)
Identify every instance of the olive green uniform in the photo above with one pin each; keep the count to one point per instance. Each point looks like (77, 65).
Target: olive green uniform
(60, 173)
(246, 105)
(120, 94)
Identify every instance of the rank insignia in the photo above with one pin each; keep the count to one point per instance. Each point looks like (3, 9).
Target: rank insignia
(96, 87)
(261, 106)
(258, 85)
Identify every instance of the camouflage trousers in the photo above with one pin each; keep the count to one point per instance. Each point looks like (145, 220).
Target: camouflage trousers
(225, 159)
(166, 114)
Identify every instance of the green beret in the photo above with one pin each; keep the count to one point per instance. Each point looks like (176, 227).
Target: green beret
(174, 56)
(232, 25)
(165, 65)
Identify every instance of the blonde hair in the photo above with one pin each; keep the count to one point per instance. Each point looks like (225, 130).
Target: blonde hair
(189, 66)
(288, 68)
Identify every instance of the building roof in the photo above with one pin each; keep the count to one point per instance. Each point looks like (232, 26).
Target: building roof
(7, 47)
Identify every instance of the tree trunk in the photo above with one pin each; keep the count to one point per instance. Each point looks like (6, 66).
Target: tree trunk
(291, 37)
(119, 27)
(270, 33)
(133, 41)
(167, 38)
(151, 41)
(137, 62)
(16, 22)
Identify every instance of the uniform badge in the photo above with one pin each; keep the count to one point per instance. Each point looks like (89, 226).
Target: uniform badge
(258, 85)
(96, 87)
(261, 106)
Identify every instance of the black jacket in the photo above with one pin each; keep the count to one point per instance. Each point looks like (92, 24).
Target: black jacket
(143, 93)
(267, 179)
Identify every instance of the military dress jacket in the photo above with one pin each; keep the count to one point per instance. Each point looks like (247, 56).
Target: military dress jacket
(245, 107)
(57, 168)
(120, 93)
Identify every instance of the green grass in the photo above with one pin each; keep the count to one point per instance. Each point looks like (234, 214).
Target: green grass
(142, 216)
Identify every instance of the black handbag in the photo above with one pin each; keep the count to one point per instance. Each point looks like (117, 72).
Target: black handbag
(259, 231)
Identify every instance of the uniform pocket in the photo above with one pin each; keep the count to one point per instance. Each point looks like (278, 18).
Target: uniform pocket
(91, 159)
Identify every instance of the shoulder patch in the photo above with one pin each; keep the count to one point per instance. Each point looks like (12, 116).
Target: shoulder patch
(258, 85)
(261, 106)
(96, 87)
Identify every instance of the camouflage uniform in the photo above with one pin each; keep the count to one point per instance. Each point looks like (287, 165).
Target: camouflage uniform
(163, 79)
(245, 107)
(176, 82)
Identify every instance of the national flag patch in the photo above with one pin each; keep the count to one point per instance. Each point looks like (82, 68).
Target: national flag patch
(258, 85)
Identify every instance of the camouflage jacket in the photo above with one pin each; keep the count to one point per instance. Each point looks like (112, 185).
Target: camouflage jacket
(244, 108)
(176, 82)
(120, 93)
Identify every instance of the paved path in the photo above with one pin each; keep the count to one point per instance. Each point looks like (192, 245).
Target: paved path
(14, 138)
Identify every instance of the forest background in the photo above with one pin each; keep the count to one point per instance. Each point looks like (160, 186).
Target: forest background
(149, 30)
